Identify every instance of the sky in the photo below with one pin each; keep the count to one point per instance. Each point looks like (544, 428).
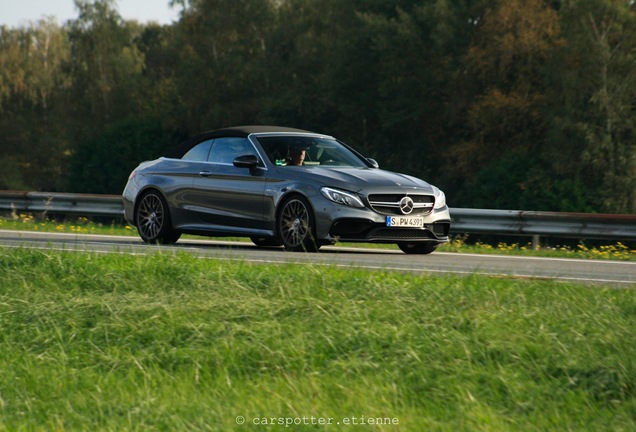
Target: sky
(15, 13)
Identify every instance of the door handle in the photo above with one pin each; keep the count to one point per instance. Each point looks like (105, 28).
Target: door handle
(205, 173)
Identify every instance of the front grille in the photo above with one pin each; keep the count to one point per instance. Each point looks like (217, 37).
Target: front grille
(401, 233)
(389, 204)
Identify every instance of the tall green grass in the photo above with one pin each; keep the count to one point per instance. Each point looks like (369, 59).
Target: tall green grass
(172, 342)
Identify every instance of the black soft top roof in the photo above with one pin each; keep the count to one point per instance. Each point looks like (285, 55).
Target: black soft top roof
(238, 131)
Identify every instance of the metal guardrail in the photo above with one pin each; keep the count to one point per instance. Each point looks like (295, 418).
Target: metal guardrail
(61, 204)
(582, 226)
(534, 224)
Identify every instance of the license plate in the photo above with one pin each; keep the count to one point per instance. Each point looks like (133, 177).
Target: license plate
(404, 221)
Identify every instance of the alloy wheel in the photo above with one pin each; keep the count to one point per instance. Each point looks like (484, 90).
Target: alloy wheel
(150, 216)
(153, 220)
(295, 226)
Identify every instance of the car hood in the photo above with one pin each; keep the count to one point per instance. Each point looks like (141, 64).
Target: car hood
(363, 180)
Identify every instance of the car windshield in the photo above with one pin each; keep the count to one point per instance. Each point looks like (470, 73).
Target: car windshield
(300, 150)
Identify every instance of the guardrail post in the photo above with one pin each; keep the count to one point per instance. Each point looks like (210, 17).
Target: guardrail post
(536, 243)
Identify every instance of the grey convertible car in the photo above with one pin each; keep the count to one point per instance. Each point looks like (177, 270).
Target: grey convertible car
(282, 187)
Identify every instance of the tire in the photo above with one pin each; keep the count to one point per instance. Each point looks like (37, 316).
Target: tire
(418, 248)
(153, 220)
(266, 241)
(296, 225)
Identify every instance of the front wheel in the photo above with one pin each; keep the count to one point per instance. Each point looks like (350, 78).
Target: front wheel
(418, 248)
(153, 220)
(296, 226)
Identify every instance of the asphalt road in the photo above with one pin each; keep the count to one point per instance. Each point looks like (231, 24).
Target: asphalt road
(596, 272)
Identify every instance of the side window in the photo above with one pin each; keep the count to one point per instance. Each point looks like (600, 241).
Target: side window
(225, 150)
(199, 152)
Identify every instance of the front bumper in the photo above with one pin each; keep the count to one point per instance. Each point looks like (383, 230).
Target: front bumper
(353, 230)
(336, 222)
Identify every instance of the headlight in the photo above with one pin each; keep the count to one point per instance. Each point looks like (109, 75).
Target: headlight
(341, 197)
(440, 198)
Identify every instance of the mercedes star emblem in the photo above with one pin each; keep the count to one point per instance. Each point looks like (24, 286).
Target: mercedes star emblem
(406, 205)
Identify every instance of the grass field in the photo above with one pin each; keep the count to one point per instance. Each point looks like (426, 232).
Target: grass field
(173, 342)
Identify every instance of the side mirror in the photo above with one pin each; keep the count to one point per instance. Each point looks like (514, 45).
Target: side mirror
(374, 163)
(246, 161)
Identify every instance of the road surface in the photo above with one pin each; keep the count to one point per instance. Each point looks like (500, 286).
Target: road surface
(597, 272)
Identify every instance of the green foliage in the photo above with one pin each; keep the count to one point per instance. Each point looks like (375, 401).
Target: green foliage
(33, 144)
(451, 91)
(106, 65)
(594, 104)
(173, 342)
(521, 181)
(506, 61)
(102, 164)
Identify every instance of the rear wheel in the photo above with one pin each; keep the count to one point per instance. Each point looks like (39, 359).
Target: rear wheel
(296, 226)
(153, 220)
(418, 248)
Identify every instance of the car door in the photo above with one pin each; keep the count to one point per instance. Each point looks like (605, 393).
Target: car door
(228, 198)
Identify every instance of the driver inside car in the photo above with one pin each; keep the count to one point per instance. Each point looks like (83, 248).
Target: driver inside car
(297, 155)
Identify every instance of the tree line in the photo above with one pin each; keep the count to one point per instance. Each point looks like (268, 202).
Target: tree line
(518, 104)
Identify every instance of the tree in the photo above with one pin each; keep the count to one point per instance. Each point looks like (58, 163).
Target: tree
(506, 63)
(106, 65)
(220, 64)
(419, 53)
(506, 68)
(32, 79)
(594, 113)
